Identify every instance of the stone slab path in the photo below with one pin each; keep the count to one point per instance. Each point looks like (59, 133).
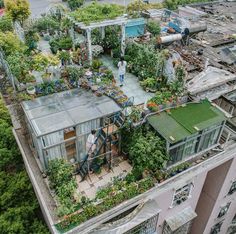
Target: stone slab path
(131, 86)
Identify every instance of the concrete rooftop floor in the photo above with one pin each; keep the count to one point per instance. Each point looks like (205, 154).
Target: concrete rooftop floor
(131, 86)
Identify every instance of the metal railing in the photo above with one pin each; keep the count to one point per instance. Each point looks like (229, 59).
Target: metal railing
(6, 68)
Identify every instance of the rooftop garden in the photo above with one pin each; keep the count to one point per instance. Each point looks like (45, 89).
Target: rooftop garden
(97, 12)
(146, 172)
(142, 178)
(66, 66)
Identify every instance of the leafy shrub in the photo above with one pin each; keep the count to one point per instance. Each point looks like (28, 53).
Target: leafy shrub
(61, 178)
(143, 60)
(10, 43)
(64, 43)
(46, 23)
(31, 39)
(20, 65)
(73, 73)
(111, 196)
(97, 12)
(96, 64)
(74, 4)
(19, 211)
(6, 23)
(146, 150)
(17, 9)
(154, 28)
(41, 61)
(139, 5)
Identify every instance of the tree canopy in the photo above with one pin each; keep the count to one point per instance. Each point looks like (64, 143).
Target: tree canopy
(17, 9)
(19, 209)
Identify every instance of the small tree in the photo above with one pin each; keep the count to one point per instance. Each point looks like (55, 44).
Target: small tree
(154, 28)
(17, 9)
(74, 4)
(147, 152)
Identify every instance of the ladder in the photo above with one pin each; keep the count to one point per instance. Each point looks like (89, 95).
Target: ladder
(103, 141)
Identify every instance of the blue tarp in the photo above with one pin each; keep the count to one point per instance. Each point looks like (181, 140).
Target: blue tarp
(135, 27)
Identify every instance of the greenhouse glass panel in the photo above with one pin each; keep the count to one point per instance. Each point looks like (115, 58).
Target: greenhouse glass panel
(210, 138)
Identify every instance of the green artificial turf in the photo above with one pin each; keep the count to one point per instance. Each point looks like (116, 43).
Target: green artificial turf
(186, 120)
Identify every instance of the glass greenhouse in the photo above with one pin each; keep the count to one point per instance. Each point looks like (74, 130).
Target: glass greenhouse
(59, 124)
(189, 129)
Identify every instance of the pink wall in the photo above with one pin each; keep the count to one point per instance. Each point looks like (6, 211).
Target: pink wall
(210, 192)
(222, 200)
(165, 199)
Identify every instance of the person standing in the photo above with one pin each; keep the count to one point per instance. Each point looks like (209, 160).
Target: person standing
(90, 148)
(122, 69)
(90, 143)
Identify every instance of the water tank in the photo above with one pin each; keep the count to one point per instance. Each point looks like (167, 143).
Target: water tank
(169, 38)
(196, 28)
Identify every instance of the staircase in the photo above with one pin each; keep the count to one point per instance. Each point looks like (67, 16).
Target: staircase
(103, 143)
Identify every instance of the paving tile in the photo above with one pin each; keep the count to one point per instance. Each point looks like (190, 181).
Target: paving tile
(100, 184)
(108, 177)
(117, 170)
(93, 179)
(83, 185)
(78, 178)
(125, 166)
(91, 193)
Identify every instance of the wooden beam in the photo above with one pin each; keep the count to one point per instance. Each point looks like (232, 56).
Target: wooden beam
(89, 44)
(122, 39)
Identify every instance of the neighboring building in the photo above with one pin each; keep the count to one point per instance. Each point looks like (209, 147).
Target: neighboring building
(211, 84)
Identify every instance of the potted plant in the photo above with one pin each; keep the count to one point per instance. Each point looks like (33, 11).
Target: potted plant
(149, 84)
(30, 90)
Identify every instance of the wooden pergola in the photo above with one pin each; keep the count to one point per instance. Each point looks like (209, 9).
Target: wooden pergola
(120, 21)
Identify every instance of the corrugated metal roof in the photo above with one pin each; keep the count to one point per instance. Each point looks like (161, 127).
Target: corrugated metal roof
(184, 121)
(208, 79)
(65, 109)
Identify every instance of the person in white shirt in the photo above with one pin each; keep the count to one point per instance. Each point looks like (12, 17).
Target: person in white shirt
(122, 69)
(90, 143)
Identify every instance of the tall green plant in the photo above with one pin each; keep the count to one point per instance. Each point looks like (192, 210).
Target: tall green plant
(17, 9)
(19, 210)
(6, 23)
(61, 179)
(147, 152)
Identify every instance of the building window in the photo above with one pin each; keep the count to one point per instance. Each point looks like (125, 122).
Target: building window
(216, 228)
(232, 188)
(223, 210)
(147, 227)
(182, 194)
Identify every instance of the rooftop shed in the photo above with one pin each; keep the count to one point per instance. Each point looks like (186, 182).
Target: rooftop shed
(211, 83)
(59, 124)
(189, 129)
